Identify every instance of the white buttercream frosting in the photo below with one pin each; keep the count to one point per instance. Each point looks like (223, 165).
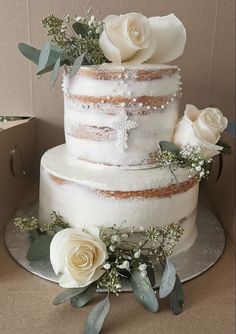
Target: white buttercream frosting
(141, 140)
(81, 205)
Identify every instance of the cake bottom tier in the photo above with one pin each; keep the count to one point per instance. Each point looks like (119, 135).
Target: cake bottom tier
(87, 194)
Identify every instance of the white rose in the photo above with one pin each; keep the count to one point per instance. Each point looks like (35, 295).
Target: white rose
(79, 256)
(133, 38)
(127, 38)
(201, 128)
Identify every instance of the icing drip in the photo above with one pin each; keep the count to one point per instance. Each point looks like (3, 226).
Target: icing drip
(123, 125)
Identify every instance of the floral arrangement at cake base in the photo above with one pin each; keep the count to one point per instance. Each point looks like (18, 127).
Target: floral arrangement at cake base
(103, 258)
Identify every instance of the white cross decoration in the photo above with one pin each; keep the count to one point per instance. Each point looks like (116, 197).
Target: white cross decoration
(123, 125)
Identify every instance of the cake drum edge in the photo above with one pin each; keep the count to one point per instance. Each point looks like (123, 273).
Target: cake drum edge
(203, 254)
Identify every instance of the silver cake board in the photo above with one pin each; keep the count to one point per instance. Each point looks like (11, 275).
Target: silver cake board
(189, 264)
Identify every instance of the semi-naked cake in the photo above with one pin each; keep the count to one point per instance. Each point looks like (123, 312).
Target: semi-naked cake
(107, 171)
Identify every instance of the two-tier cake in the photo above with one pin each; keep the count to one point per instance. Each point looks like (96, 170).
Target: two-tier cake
(105, 173)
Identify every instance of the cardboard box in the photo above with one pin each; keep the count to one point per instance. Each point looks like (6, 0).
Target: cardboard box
(27, 299)
(17, 165)
(208, 71)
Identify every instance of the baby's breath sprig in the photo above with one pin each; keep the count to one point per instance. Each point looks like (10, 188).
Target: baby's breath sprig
(31, 223)
(110, 280)
(76, 35)
(26, 223)
(135, 248)
(187, 156)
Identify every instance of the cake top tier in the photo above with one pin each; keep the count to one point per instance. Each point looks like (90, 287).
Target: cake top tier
(141, 72)
(117, 115)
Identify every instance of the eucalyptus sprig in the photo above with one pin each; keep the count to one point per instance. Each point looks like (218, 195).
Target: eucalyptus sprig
(73, 41)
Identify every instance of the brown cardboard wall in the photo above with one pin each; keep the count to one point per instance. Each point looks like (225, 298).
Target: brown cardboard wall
(207, 67)
(17, 167)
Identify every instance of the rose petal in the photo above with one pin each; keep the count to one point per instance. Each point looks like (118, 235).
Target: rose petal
(192, 112)
(144, 54)
(56, 248)
(66, 281)
(111, 52)
(203, 132)
(170, 36)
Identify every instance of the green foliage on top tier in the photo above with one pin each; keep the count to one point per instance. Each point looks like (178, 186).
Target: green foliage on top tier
(73, 42)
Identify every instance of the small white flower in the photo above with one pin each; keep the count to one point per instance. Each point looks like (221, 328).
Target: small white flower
(142, 267)
(107, 266)
(124, 236)
(141, 228)
(112, 248)
(137, 254)
(124, 265)
(115, 239)
(198, 168)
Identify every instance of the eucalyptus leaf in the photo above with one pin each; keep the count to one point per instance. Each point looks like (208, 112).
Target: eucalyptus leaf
(77, 64)
(143, 291)
(96, 317)
(39, 247)
(29, 52)
(151, 274)
(84, 297)
(169, 147)
(67, 294)
(80, 29)
(176, 297)
(168, 279)
(55, 73)
(44, 56)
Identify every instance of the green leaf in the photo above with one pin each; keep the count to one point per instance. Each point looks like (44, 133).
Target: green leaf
(67, 294)
(227, 149)
(151, 274)
(176, 297)
(80, 29)
(143, 291)
(96, 317)
(44, 56)
(84, 297)
(77, 64)
(221, 162)
(39, 247)
(55, 73)
(29, 52)
(168, 279)
(169, 147)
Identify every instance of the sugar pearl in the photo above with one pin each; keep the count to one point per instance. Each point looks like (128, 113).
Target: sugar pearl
(134, 99)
